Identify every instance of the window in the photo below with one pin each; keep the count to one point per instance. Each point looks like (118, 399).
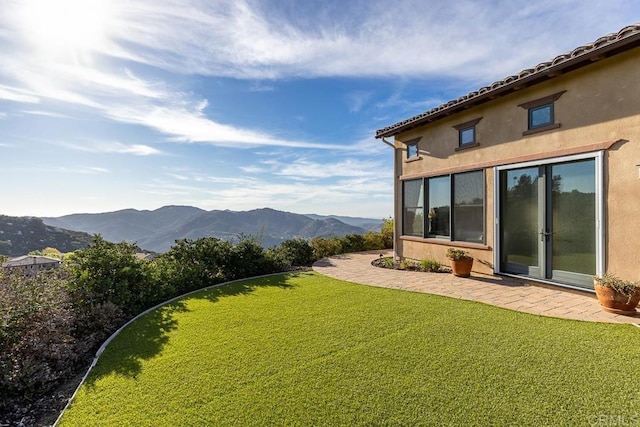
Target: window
(467, 136)
(412, 149)
(439, 206)
(464, 191)
(541, 116)
(467, 133)
(541, 113)
(468, 206)
(413, 207)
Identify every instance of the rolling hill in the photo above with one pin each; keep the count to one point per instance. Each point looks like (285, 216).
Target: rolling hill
(21, 235)
(157, 230)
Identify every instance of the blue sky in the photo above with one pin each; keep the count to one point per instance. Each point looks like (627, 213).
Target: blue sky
(113, 104)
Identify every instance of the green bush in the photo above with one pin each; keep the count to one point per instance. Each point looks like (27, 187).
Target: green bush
(324, 247)
(386, 232)
(352, 243)
(292, 252)
(109, 272)
(430, 265)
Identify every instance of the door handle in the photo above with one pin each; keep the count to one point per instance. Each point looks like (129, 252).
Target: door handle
(544, 235)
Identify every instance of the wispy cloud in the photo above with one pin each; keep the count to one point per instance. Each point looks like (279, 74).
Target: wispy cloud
(81, 170)
(17, 95)
(307, 169)
(356, 100)
(267, 40)
(294, 196)
(110, 147)
(45, 114)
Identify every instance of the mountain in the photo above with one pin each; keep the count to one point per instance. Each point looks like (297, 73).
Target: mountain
(157, 230)
(369, 224)
(21, 235)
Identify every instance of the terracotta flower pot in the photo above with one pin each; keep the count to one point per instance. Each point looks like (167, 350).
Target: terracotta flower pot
(615, 302)
(462, 267)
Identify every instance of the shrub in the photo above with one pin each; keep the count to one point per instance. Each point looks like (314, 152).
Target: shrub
(324, 247)
(430, 265)
(37, 345)
(352, 243)
(386, 231)
(247, 258)
(194, 264)
(292, 252)
(373, 241)
(109, 272)
(407, 264)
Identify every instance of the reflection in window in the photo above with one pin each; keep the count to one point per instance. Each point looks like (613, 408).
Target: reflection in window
(541, 116)
(465, 190)
(412, 150)
(468, 207)
(413, 208)
(439, 206)
(467, 136)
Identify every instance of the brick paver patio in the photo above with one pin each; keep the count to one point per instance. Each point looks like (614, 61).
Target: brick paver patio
(500, 291)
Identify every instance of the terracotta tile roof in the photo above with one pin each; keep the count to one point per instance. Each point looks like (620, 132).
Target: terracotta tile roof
(606, 46)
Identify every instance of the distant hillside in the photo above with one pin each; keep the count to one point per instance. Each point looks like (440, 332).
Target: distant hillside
(369, 224)
(157, 230)
(21, 235)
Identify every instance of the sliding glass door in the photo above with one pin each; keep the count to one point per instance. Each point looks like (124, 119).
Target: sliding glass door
(547, 221)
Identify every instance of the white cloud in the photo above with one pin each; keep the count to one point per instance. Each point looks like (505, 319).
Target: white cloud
(82, 170)
(17, 95)
(240, 193)
(309, 170)
(268, 39)
(45, 113)
(107, 147)
(263, 40)
(356, 100)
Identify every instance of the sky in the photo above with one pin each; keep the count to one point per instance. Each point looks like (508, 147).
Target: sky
(115, 104)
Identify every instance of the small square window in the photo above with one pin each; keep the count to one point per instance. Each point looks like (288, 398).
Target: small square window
(412, 150)
(541, 116)
(467, 133)
(467, 136)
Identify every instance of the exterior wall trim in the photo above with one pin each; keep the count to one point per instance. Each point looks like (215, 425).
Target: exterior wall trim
(592, 148)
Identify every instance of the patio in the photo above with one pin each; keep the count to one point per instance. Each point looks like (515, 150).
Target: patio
(500, 291)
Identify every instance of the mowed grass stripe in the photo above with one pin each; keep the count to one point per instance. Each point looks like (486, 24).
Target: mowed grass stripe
(305, 349)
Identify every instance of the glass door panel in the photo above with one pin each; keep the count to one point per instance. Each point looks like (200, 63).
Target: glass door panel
(520, 221)
(548, 222)
(573, 217)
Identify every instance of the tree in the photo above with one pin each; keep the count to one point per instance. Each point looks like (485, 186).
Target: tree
(387, 232)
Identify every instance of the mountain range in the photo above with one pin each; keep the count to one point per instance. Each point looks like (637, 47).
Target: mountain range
(157, 230)
(21, 235)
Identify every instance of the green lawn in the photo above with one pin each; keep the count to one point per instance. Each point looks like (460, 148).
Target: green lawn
(308, 350)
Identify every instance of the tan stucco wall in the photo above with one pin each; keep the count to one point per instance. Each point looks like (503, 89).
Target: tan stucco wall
(601, 103)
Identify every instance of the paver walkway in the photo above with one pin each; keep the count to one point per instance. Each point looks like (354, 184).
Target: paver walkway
(494, 290)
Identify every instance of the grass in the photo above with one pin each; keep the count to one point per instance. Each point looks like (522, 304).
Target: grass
(304, 350)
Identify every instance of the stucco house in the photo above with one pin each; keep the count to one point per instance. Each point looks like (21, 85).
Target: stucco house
(536, 175)
(31, 264)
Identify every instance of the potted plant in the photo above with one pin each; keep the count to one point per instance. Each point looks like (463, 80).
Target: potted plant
(616, 295)
(461, 262)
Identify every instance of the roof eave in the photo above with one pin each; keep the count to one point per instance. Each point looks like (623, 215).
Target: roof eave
(547, 73)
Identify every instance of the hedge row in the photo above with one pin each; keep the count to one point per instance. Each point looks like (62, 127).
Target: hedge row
(51, 323)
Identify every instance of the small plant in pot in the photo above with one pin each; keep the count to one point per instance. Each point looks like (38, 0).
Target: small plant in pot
(461, 262)
(616, 295)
